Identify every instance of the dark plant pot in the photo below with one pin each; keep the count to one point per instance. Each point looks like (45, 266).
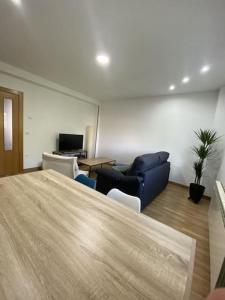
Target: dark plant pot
(196, 192)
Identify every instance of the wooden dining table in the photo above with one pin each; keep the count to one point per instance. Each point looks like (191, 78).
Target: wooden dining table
(62, 240)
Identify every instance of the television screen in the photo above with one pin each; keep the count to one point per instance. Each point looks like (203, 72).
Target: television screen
(70, 142)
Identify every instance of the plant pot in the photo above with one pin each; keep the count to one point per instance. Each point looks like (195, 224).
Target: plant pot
(196, 192)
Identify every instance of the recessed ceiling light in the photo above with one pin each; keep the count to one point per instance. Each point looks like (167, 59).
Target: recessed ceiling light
(205, 69)
(186, 79)
(172, 87)
(103, 59)
(16, 2)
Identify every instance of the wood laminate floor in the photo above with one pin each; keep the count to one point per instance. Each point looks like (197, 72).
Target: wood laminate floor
(173, 208)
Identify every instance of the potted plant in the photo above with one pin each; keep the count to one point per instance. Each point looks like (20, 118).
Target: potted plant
(207, 140)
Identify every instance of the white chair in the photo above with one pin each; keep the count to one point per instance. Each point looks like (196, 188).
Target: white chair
(65, 165)
(130, 201)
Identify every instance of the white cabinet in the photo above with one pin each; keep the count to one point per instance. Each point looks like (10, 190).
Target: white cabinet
(217, 237)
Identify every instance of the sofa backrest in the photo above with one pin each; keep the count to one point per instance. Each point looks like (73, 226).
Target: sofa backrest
(146, 162)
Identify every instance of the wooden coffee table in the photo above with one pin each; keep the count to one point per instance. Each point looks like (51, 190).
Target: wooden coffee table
(92, 162)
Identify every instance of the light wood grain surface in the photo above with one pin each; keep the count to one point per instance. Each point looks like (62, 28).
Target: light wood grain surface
(62, 240)
(91, 162)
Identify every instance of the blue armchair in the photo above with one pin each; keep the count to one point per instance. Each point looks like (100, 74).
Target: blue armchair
(146, 178)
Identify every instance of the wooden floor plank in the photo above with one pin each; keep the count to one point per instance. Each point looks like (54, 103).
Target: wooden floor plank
(173, 208)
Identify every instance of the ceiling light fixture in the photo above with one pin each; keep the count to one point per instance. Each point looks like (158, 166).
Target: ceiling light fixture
(205, 69)
(17, 2)
(172, 87)
(185, 79)
(103, 59)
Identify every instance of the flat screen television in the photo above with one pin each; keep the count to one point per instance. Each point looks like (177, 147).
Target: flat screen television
(70, 142)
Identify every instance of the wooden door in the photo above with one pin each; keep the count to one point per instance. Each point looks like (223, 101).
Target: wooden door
(10, 132)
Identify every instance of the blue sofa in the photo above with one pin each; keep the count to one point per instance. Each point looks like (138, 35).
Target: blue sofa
(146, 178)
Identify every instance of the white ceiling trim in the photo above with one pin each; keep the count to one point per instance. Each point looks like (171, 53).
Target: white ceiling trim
(40, 81)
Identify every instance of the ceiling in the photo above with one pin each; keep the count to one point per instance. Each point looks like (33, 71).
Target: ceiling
(152, 44)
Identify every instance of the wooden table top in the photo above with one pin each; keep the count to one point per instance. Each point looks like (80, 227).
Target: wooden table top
(62, 240)
(95, 161)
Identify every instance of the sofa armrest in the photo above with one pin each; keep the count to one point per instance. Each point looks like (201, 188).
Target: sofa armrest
(109, 173)
(108, 179)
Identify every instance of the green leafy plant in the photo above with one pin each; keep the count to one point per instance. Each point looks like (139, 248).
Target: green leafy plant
(198, 167)
(207, 140)
(207, 137)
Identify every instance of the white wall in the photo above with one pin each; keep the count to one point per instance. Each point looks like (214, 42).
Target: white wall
(134, 127)
(219, 124)
(46, 113)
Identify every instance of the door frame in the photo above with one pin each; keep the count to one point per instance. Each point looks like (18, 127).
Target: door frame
(20, 137)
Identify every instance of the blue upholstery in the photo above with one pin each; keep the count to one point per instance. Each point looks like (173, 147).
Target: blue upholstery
(147, 161)
(91, 183)
(146, 178)
(123, 168)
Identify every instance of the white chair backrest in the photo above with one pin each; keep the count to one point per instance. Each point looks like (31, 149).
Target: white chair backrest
(130, 201)
(62, 164)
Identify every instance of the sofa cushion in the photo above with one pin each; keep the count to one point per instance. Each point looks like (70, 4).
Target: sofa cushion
(146, 162)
